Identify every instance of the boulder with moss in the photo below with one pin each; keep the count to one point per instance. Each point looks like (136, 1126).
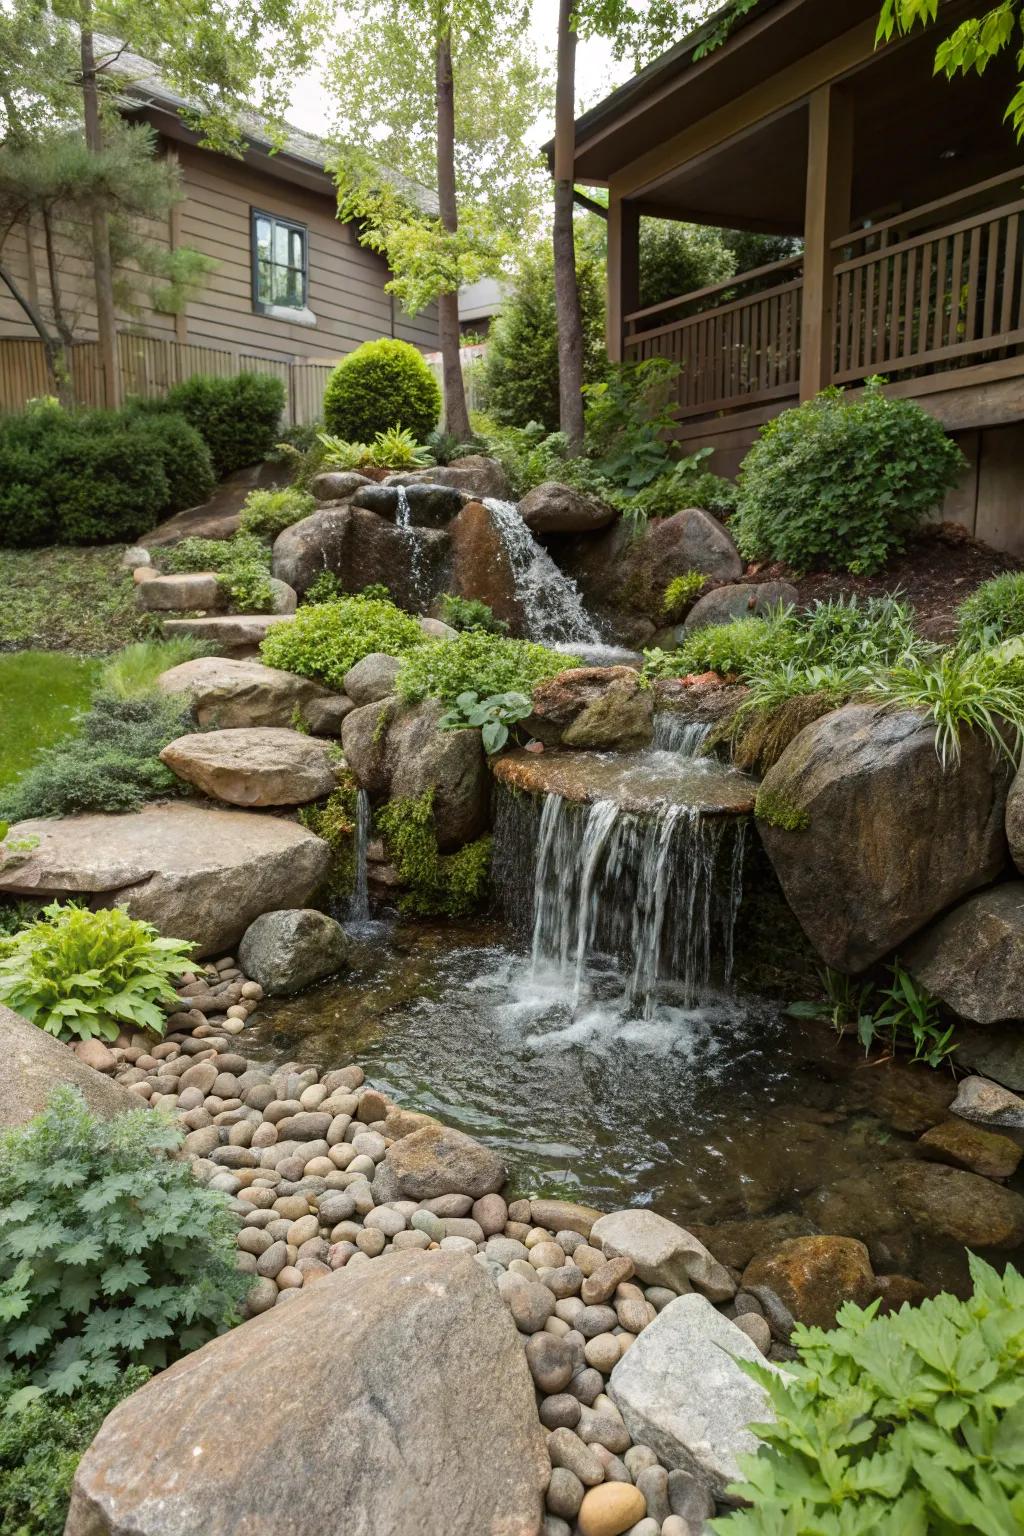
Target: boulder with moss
(225, 692)
(363, 549)
(595, 707)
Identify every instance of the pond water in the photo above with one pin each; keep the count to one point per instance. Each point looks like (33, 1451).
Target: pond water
(726, 1113)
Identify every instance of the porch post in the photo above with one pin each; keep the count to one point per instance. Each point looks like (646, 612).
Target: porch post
(826, 217)
(623, 270)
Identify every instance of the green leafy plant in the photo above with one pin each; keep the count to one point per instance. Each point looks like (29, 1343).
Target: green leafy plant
(445, 446)
(628, 421)
(268, 513)
(133, 672)
(336, 453)
(842, 483)
(397, 449)
(112, 1254)
(470, 613)
(238, 417)
(325, 640)
(476, 662)
(79, 974)
(382, 384)
(335, 822)
(902, 1015)
(112, 764)
(740, 649)
(453, 884)
(993, 612)
(324, 588)
(909, 1423)
(242, 565)
(973, 691)
(41, 1445)
(685, 484)
(681, 593)
(493, 715)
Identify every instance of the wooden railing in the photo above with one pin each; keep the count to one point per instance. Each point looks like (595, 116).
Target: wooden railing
(919, 294)
(738, 342)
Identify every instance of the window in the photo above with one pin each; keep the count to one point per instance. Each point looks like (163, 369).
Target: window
(279, 263)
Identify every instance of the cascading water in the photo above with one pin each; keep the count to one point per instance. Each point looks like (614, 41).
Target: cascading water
(676, 733)
(359, 906)
(403, 521)
(552, 607)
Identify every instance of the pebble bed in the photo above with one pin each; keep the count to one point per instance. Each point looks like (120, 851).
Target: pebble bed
(296, 1151)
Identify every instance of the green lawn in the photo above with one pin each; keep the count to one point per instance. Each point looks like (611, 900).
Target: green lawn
(41, 692)
(68, 600)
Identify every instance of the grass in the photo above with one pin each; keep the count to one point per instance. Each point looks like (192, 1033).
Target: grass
(68, 600)
(134, 671)
(42, 693)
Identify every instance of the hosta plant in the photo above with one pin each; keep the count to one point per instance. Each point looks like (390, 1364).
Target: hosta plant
(493, 715)
(112, 1254)
(79, 974)
(906, 1425)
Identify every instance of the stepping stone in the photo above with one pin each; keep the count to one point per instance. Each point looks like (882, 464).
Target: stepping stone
(233, 633)
(253, 766)
(182, 593)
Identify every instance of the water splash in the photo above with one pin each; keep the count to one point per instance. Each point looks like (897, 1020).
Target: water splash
(552, 607)
(359, 906)
(674, 732)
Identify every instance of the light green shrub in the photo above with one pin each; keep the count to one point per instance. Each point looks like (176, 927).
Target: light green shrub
(242, 564)
(381, 384)
(268, 513)
(476, 662)
(325, 639)
(992, 613)
(133, 672)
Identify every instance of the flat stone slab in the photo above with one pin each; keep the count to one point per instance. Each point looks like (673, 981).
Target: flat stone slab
(635, 781)
(253, 766)
(181, 593)
(228, 692)
(196, 872)
(228, 631)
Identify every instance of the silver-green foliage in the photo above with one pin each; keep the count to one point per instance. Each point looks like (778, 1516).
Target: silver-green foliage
(111, 1253)
(907, 1425)
(79, 974)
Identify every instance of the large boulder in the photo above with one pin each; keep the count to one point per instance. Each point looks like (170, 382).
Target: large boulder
(598, 707)
(372, 678)
(363, 549)
(33, 1063)
(397, 753)
(987, 1103)
(881, 837)
(480, 565)
(556, 508)
(662, 1253)
(973, 958)
(620, 569)
(475, 474)
(814, 1276)
(254, 765)
(226, 693)
(739, 601)
(1015, 819)
(950, 1203)
(389, 1398)
(437, 1160)
(968, 1146)
(426, 505)
(195, 872)
(288, 951)
(337, 484)
(681, 1392)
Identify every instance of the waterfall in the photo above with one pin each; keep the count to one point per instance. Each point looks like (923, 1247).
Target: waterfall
(674, 732)
(654, 894)
(403, 521)
(359, 906)
(552, 607)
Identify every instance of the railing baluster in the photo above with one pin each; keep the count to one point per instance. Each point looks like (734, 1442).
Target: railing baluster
(896, 306)
(973, 265)
(991, 278)
(954, 288)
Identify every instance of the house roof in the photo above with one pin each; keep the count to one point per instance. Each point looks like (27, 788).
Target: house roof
(299, 156)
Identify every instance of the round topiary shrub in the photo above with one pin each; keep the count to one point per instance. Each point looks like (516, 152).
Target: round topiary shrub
(380, 385)
(840, 483)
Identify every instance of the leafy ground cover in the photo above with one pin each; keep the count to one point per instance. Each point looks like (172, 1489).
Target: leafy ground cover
(62, 599)
(42, 694)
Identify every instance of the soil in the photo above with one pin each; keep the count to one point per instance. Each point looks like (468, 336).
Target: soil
(938, 569)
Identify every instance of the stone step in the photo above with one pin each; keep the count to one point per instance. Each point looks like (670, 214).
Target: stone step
(233, 634)
(184, 592)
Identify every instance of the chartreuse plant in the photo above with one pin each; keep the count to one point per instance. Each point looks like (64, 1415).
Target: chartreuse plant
(451, 884)
(133, 672)
(325, 640)
(112, 1254)
(680, 593)
(478, 663)
(78, 973)
(905, 1425)
(493, 716)
(470, 613)
(268, 513)
(394, 449)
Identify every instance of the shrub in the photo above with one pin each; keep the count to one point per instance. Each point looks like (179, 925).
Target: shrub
(94, 477)
(994, 612)
(680, 593)
(41, 1446)
(898, 1424)
(113, 764)
(493, 716)
(381, 384)
(470, 613)
(133, 672)
(740, 649)
(973, 691)
(238, 418)
(842, 483)
(325, 639)
(78, 974)
(520, 370)
(451, 885)
(268, 513)
(685, 485)
(242, 563)
(629, 415)
(476, 662)
(111, 1254)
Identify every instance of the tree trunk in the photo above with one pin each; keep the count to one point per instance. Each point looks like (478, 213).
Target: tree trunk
(106, 313)
(567, 297)
(53, 347)
(456, 414)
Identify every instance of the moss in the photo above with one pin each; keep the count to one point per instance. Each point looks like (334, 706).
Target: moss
(778, 811)
(384, 716)
(335, 822)
(448, 885)
(760, 736)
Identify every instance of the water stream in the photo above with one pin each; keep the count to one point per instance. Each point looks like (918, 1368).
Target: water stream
(359, 906)
(411, 534)
(552, 607)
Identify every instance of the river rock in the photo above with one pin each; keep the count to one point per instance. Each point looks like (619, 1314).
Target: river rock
(413, 1415)
(610, 1508)
(373, 678)
(475, 475)
(437, 1161)
(948, 1202)
(480, 565)
(224, 692)
(361, 549)
(813, 1276)
(337, 484)
(727, 603)
(194, 872)
(988, 1104)
(556, 508)
(254, 765)
(398, 753)
(973, 957)
(288, 951)
(593, 707)
(564, 1216)
(662, 1253)
(681, 1392)
(968, 1146)
(182, 593)
(33, 1063)
(889, 839)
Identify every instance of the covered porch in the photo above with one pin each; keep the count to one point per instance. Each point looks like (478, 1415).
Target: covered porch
(907, 191)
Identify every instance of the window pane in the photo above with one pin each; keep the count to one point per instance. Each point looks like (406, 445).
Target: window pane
(281, 233)
(296, 253)
(263, 236)
(263, 279)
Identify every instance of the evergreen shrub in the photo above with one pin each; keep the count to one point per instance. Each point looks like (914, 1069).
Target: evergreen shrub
(381, 385)
(237, 417)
